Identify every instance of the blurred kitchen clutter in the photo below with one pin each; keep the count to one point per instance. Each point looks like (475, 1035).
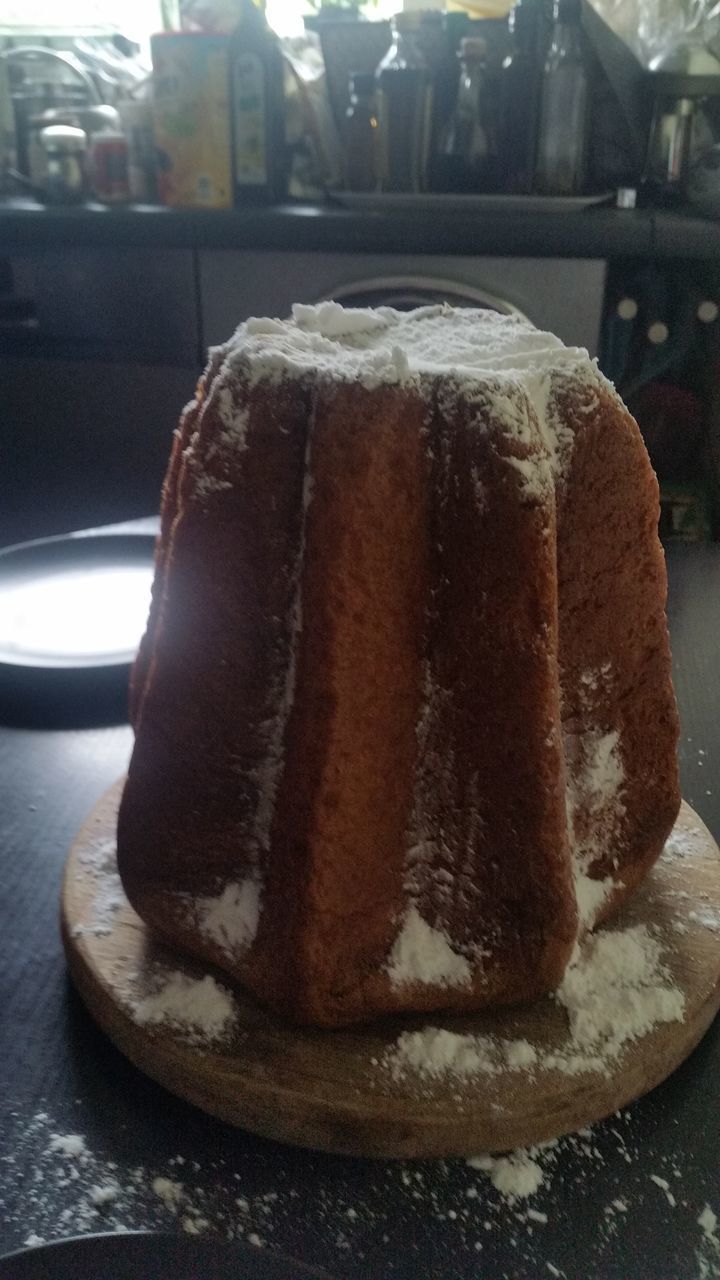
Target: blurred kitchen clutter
(557, 99)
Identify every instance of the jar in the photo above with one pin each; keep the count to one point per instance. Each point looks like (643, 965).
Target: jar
(64, 180)
(108, 168)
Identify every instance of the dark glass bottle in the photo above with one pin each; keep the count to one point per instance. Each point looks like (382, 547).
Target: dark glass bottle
(360, 135)
(404, 93)
(564, 102)
(520, 80)
(258, 110)
(445, 87)
(466, 148)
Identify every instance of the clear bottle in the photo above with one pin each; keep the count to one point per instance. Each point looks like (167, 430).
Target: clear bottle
(562, 141)
(404, 91)
(360, 134)
(520, 79)
(258, 110)
(466, 148)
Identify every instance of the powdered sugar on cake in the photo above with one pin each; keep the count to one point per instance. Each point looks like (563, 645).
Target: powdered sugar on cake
(595, 778)
(231, 919)
(423, 954)
(352, 344)
(616, 989)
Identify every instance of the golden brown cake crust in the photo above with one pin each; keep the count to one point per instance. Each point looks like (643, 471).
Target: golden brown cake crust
(408, 621)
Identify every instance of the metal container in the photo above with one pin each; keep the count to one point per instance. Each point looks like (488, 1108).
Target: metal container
(65, 148)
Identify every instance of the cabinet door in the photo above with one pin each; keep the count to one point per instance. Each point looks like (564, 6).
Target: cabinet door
(83, 443)
(131, 304)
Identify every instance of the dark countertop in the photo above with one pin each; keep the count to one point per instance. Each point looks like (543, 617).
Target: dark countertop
(360, 1219)
(599, 232)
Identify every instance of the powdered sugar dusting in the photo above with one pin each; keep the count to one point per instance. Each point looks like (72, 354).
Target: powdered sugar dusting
(591, 895)
(99, 861)
(273, 756)
(384, 345)
(231, 919)
(594, 806)
(200, 1008)
(423, 954)
(510, 1214)
(435, 1052)
(615, 990)
(516, 1176)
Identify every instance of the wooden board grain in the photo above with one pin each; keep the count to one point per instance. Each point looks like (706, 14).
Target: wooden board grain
(329, 1090)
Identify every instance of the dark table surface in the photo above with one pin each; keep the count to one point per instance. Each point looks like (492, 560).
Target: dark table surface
(621, 1201)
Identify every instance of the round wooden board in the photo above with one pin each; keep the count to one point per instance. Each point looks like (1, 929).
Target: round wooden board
(329, 1090)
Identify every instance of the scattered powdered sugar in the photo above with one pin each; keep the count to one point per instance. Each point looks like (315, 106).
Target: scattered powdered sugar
(231, 919)
(99, 862)
(615, 990)
(682, 843)
(708, 1252)
(67, 1144)
(435, 1052)
(516, 1176)
(423, 954)
(200, 1008)
(509, 1214)
(707, 1221)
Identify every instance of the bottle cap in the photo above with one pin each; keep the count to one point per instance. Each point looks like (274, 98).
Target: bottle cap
(63, 137)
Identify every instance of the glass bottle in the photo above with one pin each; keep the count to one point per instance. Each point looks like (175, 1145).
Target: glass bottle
(445, 87)
(465, 151)
(404, 92)
(360, 134)
(564, 103)
(520, 79)
(258, 110)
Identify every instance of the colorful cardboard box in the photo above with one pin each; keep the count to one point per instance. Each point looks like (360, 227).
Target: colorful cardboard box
(192, 120)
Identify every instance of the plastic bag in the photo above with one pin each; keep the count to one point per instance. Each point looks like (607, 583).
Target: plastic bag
(653, 28)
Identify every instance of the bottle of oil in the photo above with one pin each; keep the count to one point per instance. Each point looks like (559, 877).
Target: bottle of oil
(360, 134)
(520, 79)
(258, 110)
(465, 153)
(564, 104)
(404, 109)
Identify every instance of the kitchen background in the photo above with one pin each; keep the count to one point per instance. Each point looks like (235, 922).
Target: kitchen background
(167, 170)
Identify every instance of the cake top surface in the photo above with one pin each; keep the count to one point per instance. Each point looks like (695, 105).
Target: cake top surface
(383, 345)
